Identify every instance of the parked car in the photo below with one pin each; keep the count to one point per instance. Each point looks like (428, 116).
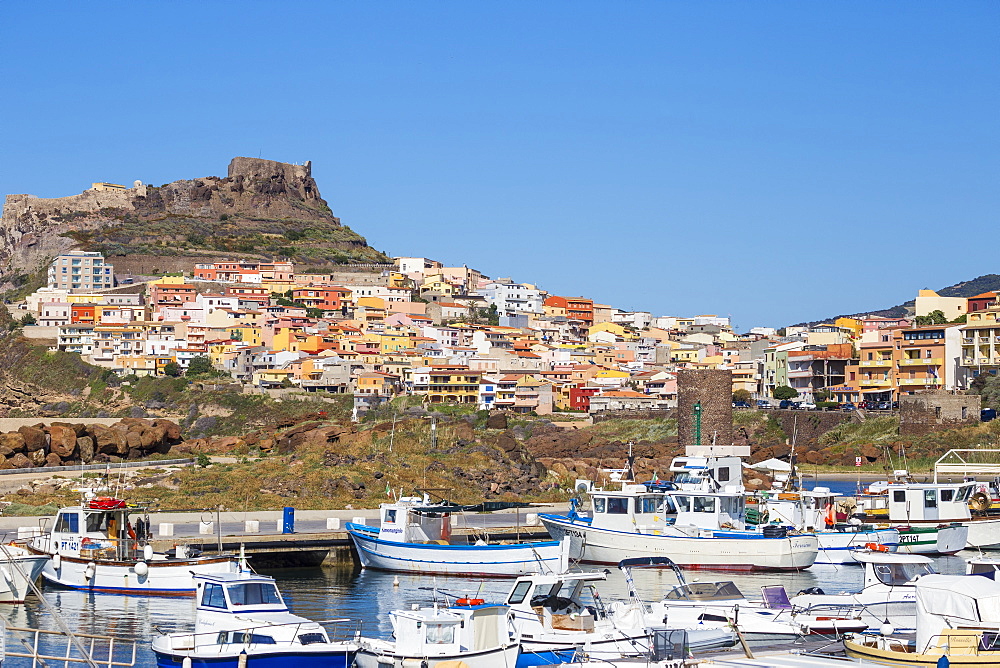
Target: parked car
(763, 403)
(807, 405)
(847, 406)
(741, 404)
(988, 414)
(785, 404)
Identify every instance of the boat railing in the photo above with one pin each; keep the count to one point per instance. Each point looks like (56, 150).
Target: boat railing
(337, 631)
(39, 646)
(956, 462)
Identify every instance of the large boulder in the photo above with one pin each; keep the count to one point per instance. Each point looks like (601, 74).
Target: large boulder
(37, 458)
(109, 441)
(34, 438)
(62, 441)
(19, 461)
(87, 449)
(171, 429)
(52, 459)
(11, 442)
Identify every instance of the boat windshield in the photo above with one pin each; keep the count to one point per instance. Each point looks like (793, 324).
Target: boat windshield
(704, 591)
(440, 633)
(686, 477)
(900, 574)
(253, 593)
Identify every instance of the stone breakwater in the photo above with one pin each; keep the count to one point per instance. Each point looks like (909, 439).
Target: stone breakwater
(66, 443)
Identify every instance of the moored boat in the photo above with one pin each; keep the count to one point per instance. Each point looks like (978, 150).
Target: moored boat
(18, 569)
(97, 547)
(958, 617)
(242, 620)
(474, 636)
(694, 529)
(414, 536)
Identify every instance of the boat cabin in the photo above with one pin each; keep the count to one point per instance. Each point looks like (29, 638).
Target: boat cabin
(556, 601)
(709, 511)
(893, 569)
(415, 519)
(935, 502)
(99, 529)
(706, 474)
(235, 593)
(632, 508)
(806, 509)
(433, 631)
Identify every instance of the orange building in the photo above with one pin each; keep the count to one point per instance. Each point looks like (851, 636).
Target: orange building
(574, 308)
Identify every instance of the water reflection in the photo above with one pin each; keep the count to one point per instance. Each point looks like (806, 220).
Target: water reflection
(327, 593)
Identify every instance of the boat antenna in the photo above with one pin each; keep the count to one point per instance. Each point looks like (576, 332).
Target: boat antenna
(793, 487)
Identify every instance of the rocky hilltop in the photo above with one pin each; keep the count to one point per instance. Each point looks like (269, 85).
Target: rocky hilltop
(261, 208)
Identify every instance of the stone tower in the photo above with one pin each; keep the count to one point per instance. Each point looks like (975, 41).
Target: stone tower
(711, 391)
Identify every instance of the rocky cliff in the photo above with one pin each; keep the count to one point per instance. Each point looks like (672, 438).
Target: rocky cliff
(261, 208)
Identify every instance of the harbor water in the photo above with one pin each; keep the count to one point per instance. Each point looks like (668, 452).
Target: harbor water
(328, 593)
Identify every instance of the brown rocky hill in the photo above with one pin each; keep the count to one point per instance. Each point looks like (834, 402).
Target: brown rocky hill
(260, 209)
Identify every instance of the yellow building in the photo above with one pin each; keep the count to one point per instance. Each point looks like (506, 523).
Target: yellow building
(453, 384)
(272, 377)
(851, 325)
(143, 365)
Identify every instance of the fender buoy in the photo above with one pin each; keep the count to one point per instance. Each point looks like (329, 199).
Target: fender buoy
(876, 547)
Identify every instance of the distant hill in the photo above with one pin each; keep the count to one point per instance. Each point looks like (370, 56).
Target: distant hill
(260, 209)
(970, 288)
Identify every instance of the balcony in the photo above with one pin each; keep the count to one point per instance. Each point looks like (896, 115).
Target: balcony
(882, 363)
(930, 382)
(921, 361)
(875, 382)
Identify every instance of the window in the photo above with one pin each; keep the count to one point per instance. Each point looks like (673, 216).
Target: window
(617, 506)
(650, 504)
(599, 504)
(440, 634)
(899, 496)
(947, 495)
(254, 593)
(213, 596)
(930, 498)
(68, 523)
(723, 475)
(704, 504)
(520, 591)
(390, 516)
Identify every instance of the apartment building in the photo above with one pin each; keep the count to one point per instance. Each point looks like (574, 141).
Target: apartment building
(80, 270)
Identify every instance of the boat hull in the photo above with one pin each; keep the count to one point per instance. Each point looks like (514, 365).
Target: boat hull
(856, 650)
(17, 572)
(499, 657)
(164, 578)
(259, 657)
(719, 552)
(933, 539)
(835, 547)
(471, 560)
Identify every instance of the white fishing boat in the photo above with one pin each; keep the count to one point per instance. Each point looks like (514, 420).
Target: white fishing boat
(552, 616)
(815, 511)
(888, 594)
(242, 620)
(958, 624)
(97, 546)
(18, 569)
(694, 529)
(415, 537)
(473, 636)
(720, 604)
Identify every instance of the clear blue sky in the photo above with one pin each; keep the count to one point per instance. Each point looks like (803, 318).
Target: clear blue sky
(776, 161)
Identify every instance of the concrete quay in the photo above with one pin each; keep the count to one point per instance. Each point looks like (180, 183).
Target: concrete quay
(312, 543)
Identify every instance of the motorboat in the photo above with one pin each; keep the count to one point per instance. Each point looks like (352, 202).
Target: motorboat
(695, 529)
(555, 614)
(721, 604)
(476, 636)
(241, 619)
(415, 537)
(815, 511)
(888, 593)
(19, 568)
(102, 546)
(957, 617)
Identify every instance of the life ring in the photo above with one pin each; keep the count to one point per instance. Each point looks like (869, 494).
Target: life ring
(469, 601)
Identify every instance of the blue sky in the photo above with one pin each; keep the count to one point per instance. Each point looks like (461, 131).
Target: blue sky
(776, 161)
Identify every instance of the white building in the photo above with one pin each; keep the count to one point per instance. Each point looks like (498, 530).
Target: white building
(512, 298)
(81, 270)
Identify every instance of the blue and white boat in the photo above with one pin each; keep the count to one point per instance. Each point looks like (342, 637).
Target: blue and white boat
(695, 529)
(415, 537)
(242, 620)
